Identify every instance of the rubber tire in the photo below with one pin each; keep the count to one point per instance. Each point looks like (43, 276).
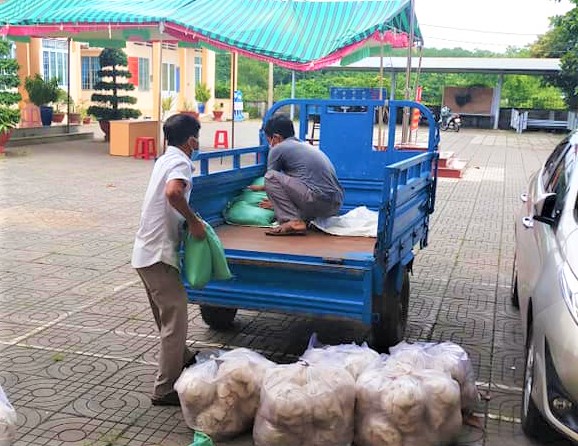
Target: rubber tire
(219, 318)
(514, 286)
(533, 423)
(393, 311)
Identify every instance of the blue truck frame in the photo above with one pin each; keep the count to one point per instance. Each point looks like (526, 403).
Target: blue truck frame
(370, 286)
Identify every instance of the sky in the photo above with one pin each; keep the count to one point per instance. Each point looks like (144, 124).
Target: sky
(485, 24)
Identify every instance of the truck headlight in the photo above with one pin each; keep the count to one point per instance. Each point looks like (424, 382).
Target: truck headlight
(569, 284)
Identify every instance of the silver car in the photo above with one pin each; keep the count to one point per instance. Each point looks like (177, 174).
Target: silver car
(545, 286)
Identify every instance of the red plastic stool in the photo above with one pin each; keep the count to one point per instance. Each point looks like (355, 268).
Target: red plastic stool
(144, 147)
(221, 139)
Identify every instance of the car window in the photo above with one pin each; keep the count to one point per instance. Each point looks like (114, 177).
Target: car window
(560, 173)
(552, 162)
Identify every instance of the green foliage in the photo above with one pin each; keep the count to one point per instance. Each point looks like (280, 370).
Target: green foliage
(113, 76)
(202, 93)
(41, 92)
(167, 103)
(9, 96)
(562, 41)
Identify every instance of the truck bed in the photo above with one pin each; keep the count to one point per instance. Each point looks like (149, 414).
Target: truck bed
(315, 243)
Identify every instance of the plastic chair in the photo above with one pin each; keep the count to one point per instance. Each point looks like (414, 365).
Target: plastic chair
(144, 147)
(221, 139)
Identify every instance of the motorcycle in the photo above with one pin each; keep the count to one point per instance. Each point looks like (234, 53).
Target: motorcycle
(449, 120)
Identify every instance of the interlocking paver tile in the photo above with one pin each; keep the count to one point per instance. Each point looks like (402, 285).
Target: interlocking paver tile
(85, 357)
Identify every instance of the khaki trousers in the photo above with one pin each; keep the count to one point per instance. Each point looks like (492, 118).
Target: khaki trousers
(168, 301)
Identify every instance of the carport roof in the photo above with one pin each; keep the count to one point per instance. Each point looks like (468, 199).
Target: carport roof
(484, 65)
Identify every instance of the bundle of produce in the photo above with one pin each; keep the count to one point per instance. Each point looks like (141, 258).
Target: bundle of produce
(445, 357)
(355, 358)
(7, 420)
(401, 405)
(305, 405)
(221, 395)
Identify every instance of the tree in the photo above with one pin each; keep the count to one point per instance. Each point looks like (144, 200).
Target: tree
(9, 96)
(562, 41)
(113, 62)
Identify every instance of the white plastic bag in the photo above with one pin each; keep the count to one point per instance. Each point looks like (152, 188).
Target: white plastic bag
(220, 396)
(305, 405)
(359, 222)
(355, 358)
(7, 420)
(446, 357)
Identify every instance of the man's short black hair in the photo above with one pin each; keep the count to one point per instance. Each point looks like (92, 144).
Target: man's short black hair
(280, 125)
(180, 127)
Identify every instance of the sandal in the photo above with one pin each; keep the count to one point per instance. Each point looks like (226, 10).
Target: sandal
(285, 230)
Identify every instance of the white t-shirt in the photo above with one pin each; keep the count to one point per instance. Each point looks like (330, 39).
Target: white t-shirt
(158, 235)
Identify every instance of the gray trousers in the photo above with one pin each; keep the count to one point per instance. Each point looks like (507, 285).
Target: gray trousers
(168, 301)
(293, 200)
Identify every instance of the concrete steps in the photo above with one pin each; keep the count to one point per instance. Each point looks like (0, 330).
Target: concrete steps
(448, 165)
(48, 135)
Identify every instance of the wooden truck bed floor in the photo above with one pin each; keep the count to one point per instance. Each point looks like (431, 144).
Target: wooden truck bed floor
(315, 243)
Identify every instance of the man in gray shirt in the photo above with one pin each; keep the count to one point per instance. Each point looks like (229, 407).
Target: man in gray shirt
(300, 182)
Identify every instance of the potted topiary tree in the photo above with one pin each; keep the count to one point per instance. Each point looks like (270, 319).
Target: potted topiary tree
(42, 93)
(190, 109)
(113, 63)
(202, 95)
(59, 106)
(9, 96)
(218, 111)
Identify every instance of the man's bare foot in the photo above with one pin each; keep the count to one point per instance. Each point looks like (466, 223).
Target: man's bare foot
(293, 227)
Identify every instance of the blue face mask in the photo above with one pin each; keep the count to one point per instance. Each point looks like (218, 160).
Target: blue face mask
(195, 154)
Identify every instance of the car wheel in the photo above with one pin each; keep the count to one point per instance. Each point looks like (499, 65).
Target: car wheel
(219, 318)
(533, 423)
(514, 285)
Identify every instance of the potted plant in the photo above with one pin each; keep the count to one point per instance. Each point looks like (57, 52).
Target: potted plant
(218, 111)
(113, 63)
(9, 96)
(83, 112)
(167, 105)
(190, 109)
(74, 116)
(42, 93)
(202, 95)
(58, 113)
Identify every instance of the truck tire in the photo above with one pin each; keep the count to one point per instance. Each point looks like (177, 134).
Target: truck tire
(219, 318)
(392, 308)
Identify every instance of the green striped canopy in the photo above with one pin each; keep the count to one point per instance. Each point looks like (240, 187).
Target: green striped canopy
(297, 34)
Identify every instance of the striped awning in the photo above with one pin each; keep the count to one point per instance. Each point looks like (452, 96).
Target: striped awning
(298, 34)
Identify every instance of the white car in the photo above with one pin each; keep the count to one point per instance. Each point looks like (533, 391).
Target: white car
(545, 286)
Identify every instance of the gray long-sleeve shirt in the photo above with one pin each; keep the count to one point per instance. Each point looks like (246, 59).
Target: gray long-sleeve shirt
(301, 160)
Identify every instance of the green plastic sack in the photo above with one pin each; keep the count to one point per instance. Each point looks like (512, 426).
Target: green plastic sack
(258, 182)
(201, 439)
(197, 262)
(243, 213)
(205, 260)
(252, 197)
(220, 268)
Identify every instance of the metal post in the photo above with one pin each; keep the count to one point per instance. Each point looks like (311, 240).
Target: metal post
(405, 123)
(160, 127)
(68, 86)
(292, 93)
(233, 88)
(270, 91)
(380, 108)
(497, 100)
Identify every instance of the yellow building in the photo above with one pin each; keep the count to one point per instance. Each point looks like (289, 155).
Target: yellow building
(182, 69)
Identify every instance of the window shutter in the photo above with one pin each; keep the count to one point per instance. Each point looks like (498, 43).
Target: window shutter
(178, 81)
(133, 68)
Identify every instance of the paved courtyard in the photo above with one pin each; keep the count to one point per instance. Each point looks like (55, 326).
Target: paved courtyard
(78, 344)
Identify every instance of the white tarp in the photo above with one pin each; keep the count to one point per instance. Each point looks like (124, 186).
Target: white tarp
(359, 222)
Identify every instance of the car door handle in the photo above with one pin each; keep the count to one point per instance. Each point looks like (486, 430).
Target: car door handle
(528, 222)
(524, 197)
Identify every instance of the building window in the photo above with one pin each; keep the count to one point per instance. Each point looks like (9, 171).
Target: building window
(144, 74)
(89, 72)
(55, 60)
(198, 70)
(170, 78)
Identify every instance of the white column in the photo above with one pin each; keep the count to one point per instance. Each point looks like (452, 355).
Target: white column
(497, 100)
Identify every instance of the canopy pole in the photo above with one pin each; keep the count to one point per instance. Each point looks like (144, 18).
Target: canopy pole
(380, 108)
(292, 93)
(233, 88)
(160, 110)
(270, 87)
(68, 85)
(405, 123)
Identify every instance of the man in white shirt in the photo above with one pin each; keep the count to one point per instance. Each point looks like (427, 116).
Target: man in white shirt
(155, 253)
